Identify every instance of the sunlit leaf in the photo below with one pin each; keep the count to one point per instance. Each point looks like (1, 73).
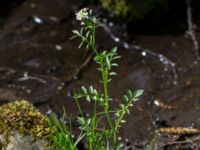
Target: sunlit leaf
(84, 90)
(129, 93)
(114, 49)
(114, 65)
(73, 37)
(107, 62)
(80, 45)
(138, 93)
(75, 32)
(116, 57)
(87, 34)
(112, 73)
(81, 120)
(126, 98)
(88, 98)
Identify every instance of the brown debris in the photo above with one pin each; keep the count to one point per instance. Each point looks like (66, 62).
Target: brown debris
(179, 130)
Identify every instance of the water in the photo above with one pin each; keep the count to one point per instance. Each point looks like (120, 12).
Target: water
(144, 51)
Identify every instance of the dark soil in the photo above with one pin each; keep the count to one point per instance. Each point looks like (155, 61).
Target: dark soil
(39, 63)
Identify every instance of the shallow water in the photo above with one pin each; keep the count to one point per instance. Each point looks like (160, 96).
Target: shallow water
(39, 63)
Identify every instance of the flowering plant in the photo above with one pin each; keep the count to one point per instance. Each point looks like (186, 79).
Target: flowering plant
(99, 135)
(105, 59)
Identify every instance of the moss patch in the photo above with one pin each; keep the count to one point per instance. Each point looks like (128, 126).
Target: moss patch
(24, 118)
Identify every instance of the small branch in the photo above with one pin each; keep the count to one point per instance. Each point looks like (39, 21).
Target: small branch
(28, 77)
(187, 141)
(192, 29)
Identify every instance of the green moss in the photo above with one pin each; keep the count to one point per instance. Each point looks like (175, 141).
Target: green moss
(24, 118)
(118, 7)
(133, 8)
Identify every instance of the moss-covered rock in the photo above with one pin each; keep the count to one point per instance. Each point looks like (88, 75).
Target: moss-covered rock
(23, 127)
(24, 118)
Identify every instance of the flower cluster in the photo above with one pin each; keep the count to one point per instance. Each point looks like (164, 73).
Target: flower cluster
(83, 14)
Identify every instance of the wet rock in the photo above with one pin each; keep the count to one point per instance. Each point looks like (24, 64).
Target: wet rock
(23, 117)
(18, 141)
(6, 94)
(23, 127)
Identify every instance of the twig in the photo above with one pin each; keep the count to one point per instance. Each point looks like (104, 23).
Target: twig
(191, 140)
(27, 77)
(192, 29)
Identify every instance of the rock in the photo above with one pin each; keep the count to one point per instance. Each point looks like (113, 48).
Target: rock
(18, 141)
(23, 127)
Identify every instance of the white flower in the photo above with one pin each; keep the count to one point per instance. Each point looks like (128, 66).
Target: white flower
(82, 14)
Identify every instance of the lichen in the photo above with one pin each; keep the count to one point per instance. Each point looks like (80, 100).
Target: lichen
(23, 117)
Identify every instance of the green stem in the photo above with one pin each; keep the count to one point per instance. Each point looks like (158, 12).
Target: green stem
(119, 121)
(93, 44)
(105, 86)
(85, 123)
(94, 119)
(152, 143)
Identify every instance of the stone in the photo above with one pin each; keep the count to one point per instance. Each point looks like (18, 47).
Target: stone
(23, 127)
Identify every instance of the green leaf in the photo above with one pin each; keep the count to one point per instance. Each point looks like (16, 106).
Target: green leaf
(99, 69)
(129, 94)
(117, 114)
(95, 92)
(138, 93)
(87, 46)
(116, 57)
(76, 32)
(122, 106)
(91, 89)
(88, 98)
(120, 146)
(97, 59)
(87, 34)
(107, 62)
(84, 90)
(114, 50)
(126, 98)
(81, 44)
(112, 73)
(81, 31)
(114, 65)
(73, 37)
(104, 53)
(81, 120)
(95, 97)
(123, 121)
(91, 38)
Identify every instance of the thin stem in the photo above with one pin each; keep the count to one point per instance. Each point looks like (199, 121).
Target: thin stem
(152, 143)
(93, 44)
(118, 122)
(85, 123)
(105, 86)
(94, 119)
